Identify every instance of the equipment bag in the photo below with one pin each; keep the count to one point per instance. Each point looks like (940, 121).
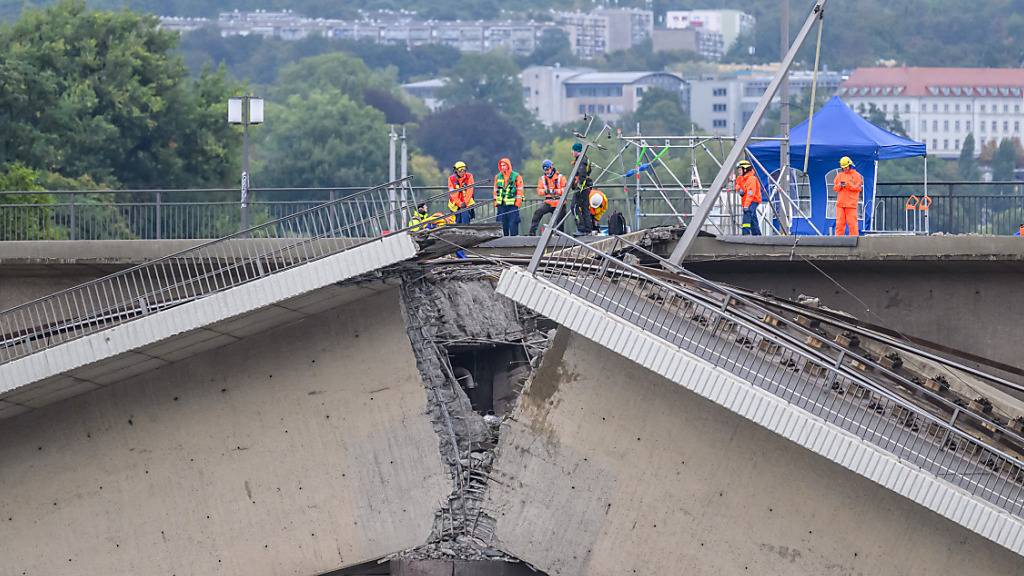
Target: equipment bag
(617, 224)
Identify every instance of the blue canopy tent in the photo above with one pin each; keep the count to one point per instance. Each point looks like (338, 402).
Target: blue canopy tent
(837, 131)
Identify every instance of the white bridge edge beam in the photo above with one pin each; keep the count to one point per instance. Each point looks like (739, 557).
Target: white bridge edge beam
(764, 409)
(207, 310)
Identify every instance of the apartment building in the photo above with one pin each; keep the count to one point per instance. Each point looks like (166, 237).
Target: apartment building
(593, 34)
(722, 105)
(557, 95)
(730, 24)
(941, 106)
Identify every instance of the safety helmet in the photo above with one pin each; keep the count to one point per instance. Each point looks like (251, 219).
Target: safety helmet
(595, 201)
(547, 164)
(577, 147)
(845, 162)
(744, 164)
(460, 165)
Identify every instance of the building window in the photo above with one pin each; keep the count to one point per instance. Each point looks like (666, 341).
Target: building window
(956, 126)
(1016, 126)
(968, 125)
(1006, 108)
(935, 144)
(982, 107)
(968, 107)
(945, 125)
(995, 126)
(718, 123)
(956, 144)
(935, 107)
(885, 107)
(906, 107)
(1016, 108)
(924, 125)
(1006, 126)
(982, 124)
(935, 125)
(945, 144)
(720, 92)
(583, 108)
(957, 107)
(945, 107)
(718, 107)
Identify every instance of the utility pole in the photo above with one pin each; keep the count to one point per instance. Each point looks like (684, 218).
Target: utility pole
(245, 110)
(686, 242)
(392, 169)
(784, 199)
(404, 172)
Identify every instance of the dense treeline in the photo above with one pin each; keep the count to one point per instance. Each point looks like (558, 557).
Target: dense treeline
(916, 32)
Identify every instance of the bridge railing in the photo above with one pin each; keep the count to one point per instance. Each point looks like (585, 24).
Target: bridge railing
(988, 208)
(805, 369)
(213, 266)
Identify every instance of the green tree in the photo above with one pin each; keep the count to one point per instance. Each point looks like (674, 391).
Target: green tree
(474, 133)
(100, 94)
(1004, 161)
(323, 138)
(552, 48)
(487, 78)
(967, 165)
(659, 112)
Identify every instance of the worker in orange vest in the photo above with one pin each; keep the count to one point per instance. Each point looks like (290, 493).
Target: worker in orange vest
(550, 186)
(460, 194)
(749, 186)
(508, 197)
(848, 185)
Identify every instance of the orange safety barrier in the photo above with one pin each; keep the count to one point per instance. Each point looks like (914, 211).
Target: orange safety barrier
(912, 202)
(926, 202)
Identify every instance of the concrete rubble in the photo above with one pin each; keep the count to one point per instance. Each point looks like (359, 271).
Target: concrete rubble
(453, 307)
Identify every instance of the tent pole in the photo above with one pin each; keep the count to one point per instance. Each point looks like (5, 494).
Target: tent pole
(690, 234)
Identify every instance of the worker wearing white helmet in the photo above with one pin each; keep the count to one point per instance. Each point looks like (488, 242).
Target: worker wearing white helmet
(598, 206)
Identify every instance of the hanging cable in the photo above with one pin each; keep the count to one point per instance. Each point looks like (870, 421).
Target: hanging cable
(814, 91)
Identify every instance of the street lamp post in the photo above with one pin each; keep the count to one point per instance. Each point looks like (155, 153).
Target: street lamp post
(245, 110)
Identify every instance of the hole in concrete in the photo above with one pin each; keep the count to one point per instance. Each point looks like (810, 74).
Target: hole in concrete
(403, 566)
(491, 376)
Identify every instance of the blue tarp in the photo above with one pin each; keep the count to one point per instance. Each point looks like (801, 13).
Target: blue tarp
(837, 131)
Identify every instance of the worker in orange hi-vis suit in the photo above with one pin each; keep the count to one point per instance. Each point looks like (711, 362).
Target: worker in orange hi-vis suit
(848, 186)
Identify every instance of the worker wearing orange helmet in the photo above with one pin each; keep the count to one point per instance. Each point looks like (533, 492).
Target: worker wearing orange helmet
(848, 186)
(749, 186)
(508, 197)
(460, 193)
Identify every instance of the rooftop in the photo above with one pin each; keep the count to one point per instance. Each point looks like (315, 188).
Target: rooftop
(614, 77)
(962, 82)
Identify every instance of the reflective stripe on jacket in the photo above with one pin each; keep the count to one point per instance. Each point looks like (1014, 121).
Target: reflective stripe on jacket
(750, 186)
(508, 190)
(551, 188)
(460, 190)
(599, 211)
(848, 196)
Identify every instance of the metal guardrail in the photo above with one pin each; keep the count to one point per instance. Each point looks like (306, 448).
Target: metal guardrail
(716, 326)
(211, 267)
(989, 208)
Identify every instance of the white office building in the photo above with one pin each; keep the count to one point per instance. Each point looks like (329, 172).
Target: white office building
(941, 106)
(731, 24)
(722, 105)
